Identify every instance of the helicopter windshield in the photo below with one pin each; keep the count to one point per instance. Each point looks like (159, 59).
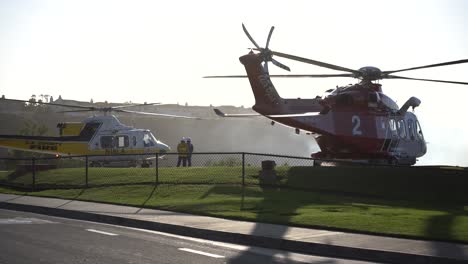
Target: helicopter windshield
(419, 131)
(149, 140)
(388, 102)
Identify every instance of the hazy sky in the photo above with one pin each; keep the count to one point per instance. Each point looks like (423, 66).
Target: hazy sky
(158, 51)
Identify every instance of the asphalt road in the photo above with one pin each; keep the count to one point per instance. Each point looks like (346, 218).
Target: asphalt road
(33, 238)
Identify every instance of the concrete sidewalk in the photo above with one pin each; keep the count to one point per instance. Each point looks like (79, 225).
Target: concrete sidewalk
(302, 240)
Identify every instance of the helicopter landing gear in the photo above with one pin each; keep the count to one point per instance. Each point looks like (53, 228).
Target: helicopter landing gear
(95, 164)
(393, 162)
(145, 164)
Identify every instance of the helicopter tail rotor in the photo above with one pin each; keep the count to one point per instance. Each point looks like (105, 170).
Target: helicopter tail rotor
(266, 53)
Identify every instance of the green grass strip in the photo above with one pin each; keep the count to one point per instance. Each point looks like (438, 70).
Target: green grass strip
(288, 207)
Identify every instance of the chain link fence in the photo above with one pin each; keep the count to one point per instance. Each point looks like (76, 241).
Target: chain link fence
(237, 168)
(428, 183)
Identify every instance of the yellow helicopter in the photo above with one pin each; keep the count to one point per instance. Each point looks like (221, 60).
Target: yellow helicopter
(104, 139)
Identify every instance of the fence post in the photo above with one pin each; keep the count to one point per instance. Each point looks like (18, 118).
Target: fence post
(33, 174)
(243, 168)
(157, 168)
(86, 179)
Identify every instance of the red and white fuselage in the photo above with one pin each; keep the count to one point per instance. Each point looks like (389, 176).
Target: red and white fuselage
(355, 122)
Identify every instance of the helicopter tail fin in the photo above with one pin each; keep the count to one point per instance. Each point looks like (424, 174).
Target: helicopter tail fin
(264, 91)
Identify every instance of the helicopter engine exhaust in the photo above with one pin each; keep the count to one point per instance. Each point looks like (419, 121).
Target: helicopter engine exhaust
(413, 102)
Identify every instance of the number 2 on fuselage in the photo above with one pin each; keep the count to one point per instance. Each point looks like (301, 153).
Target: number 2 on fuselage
(356, 121)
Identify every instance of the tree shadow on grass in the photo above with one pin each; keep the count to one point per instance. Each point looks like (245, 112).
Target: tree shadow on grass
(438, 227)
(263, 206)
(143, 205)
(73, 198)
(442, 226)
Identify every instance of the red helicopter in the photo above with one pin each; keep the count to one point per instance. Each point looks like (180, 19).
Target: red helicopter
(357, 123)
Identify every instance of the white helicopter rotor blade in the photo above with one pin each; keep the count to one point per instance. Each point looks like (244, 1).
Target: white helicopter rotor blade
(44, 103)
(131, 105)
(222, 114)
(295, 115)
(156, 114)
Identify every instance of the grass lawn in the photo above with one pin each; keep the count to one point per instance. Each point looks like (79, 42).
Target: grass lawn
(101, 176)
(285, 206)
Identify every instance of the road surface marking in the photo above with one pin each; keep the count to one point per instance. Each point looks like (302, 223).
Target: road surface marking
(23, 220)
(14, 221)
(276, 254)
(101, 232)
(201, 253)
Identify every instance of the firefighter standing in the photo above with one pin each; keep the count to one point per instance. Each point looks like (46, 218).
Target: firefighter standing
(182, 149)
(190, 151)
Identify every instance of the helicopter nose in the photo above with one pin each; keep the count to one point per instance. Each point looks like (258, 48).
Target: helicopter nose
(163, 148)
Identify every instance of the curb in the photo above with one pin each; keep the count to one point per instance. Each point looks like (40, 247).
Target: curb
(311, 248)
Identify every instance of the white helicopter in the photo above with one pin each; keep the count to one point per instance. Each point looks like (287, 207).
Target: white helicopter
(103, 138)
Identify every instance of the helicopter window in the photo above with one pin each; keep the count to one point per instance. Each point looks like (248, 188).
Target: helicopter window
(419, 131)
(148, 140)
(388, 102)
(373, 97)
(411, 129)
(122, 141)
(392, 125)
(88, 131)
(401, 128)
(107, 141)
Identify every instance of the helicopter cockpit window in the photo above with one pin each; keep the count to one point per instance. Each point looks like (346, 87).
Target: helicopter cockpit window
(393, 127)
(401, 128)
(411, 129)
(148, 140)
(419, 131)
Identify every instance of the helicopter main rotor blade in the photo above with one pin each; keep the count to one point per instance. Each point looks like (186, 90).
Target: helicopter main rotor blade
(131, 105)
(269, 37)
(288, 76)
(155, 114)
(76, 111)
(225, 76)
(417, 79)
(250, 37)
(279, 64)
(314, 62)
(265, 52)
(38, 102)
(429, 66)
